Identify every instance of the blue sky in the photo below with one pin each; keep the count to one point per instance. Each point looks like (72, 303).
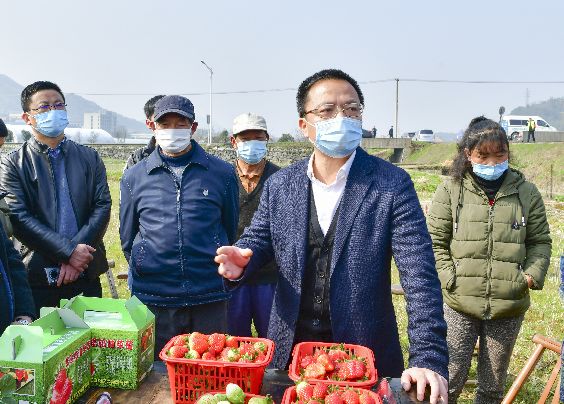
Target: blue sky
(152, 47)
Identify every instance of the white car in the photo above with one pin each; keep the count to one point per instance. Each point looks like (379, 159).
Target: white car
(424, 135)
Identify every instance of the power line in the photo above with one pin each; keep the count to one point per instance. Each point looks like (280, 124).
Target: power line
(273, 90)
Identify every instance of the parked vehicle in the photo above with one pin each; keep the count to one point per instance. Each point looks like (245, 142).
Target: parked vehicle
(514, 125)
(424, 135)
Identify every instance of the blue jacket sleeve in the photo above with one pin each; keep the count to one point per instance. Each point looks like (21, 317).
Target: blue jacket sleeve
(128, 217)
(230, 213)
(23, 305)
(413, 254)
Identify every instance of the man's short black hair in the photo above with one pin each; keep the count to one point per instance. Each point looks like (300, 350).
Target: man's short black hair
(327, 74)
(149, 107)
(33, 88)
(3, 129)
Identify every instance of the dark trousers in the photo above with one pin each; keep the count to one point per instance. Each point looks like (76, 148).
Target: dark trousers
(171, 321)
(50, 296)
(250, 303)
(531, 134)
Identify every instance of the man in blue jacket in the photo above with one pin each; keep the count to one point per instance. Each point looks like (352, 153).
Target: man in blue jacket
(177, 207)
(333, 222)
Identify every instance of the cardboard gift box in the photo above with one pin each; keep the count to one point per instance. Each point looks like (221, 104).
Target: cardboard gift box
(123, 339)
(47, 361)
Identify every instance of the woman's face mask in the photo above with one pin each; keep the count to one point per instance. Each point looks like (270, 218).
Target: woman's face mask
(489, 161)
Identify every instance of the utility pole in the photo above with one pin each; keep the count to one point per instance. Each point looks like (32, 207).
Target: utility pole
(211, 104)
(527, 95)
(397, 108)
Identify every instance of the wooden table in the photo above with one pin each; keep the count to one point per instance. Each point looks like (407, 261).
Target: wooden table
(155, 389)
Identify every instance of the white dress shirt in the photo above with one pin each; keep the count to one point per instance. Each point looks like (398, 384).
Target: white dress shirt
(327, 197)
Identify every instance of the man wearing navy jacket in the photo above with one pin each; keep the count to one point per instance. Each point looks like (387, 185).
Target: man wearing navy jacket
(333, 222)
(178, 205)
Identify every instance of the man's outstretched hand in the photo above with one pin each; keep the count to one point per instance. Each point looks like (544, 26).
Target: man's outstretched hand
(420, 378)
(232, 261)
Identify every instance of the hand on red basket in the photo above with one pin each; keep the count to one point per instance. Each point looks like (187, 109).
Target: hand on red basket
(422, 377)
(232, 261)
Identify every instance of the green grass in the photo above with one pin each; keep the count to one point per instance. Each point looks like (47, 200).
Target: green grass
(545, 315)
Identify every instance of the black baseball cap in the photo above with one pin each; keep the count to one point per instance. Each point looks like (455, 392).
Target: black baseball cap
(174, 104)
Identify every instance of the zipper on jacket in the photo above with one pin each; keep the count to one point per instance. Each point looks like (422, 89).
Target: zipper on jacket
(178, 185)
(489, 258)
(54, 191)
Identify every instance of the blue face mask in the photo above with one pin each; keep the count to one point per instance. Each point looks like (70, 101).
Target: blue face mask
(51, 123)
(338, 137)
(490, 173)
(251, 151)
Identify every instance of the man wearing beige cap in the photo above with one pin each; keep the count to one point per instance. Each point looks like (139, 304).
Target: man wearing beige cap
(253, 300)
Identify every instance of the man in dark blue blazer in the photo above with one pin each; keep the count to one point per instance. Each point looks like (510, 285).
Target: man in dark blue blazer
(333, 223)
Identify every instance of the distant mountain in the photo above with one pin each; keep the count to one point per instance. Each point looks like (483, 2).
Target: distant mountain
(10, 104)
(552, 110)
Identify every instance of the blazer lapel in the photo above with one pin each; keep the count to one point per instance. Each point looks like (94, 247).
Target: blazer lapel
(299, 195)
(358, 184)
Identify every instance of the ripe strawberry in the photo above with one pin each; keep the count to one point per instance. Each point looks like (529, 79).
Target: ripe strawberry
(177, 351)
(338, 354)
(181, 340)
(352, 370)
(231, 342)
(200, 346)
(246, 348)
(208, 356)
(327, 363)
(349, 396)
(314, 371)
(333, 398)
(320, 390)
(304, 390)
(223, 354)
(366, 398)
(198, 342)
(217, 342)
(306, 361)
(260, 358)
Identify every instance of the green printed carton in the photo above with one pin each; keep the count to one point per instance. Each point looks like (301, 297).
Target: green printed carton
(123, 339)
(47, 361)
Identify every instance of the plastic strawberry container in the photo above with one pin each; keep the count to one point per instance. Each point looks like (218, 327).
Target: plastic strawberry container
(191, 378)
(290, 395)
(308, 348)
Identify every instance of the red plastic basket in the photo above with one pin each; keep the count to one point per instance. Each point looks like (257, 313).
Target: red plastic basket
(191, 378)
(290, 395)
(308, 348)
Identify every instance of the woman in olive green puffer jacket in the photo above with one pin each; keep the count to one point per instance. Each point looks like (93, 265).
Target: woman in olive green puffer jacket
(492, 244)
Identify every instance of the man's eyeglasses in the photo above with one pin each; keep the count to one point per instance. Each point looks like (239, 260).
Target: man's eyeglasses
(330, 111)
(45, 108)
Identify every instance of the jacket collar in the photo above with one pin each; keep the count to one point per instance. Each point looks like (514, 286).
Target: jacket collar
(510, 185)
(43, 148)
(359, 181)
(199, 156)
